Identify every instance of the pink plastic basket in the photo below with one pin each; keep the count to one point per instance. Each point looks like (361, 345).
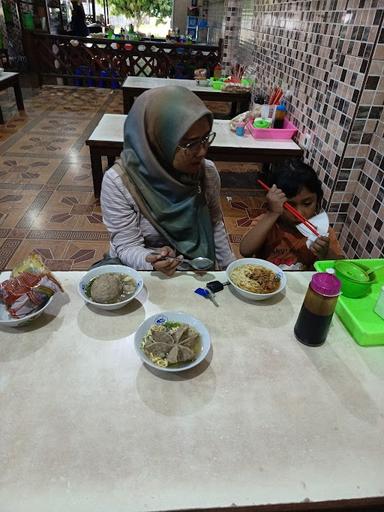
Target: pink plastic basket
(285, 133)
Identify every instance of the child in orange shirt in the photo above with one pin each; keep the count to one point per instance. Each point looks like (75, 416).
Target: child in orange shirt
(275, 237)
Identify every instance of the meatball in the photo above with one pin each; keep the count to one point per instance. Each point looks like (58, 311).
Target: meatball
(107, 289)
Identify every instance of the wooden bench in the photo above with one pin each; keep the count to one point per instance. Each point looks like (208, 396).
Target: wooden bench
(107, 140)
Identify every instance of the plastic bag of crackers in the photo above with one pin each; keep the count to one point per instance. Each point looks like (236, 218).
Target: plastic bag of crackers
(29, 288)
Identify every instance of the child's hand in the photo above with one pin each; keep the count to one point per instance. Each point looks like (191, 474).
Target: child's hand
(276, 199)
(320, 247)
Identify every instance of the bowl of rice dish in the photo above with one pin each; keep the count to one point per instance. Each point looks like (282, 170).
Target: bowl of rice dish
(256, 279)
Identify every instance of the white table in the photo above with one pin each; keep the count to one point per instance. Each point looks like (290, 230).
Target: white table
(85, 427)
(133, 86)
(9, 79)
(107, 140)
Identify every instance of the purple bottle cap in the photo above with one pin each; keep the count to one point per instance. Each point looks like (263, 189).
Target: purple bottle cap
(325, 284)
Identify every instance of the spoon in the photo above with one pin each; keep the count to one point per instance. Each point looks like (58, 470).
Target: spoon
(199, 263)
(372, 270)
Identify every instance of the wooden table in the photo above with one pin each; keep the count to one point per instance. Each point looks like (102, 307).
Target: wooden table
(264, 423)
(133, 86)
(8, 79)
(107, 140)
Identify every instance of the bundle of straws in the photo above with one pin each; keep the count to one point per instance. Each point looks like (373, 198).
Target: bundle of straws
(237, 72)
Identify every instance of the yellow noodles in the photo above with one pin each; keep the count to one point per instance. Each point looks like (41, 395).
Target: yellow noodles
(255, 278)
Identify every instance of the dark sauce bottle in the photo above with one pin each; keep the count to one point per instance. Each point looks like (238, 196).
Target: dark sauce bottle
(279, 117)
(316, 313)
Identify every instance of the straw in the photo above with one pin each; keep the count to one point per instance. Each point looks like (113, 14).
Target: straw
(293, 210)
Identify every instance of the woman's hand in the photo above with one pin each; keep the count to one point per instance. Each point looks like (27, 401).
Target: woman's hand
(166, 261)
(320, 247)
(276, 199)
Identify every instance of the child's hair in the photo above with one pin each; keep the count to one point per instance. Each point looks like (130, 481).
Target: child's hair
(291, 176)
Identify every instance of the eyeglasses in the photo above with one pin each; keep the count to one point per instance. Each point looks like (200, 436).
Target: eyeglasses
(193, 147)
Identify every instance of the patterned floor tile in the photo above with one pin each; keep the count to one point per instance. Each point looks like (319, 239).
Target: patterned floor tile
(9, 249)
(78, 174)
(47, 249)
(49, 145)
(26, 170)
(11, 200)
(83, 254)
(10, 218)
(81, 153)
(67, 126)
(239, 213)
(69, 211)
(91, 222)
(75, 201)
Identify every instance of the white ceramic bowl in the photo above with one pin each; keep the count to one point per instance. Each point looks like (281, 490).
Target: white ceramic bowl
(8, 321)
(106, 269)
(173, 316)
(262, 263)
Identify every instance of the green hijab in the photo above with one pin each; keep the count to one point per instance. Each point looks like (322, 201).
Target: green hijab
(173, 202)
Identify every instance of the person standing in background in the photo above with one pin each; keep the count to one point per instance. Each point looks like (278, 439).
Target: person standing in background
(78, 25)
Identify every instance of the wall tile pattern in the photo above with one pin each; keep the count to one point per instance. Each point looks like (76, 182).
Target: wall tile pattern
(330, 53)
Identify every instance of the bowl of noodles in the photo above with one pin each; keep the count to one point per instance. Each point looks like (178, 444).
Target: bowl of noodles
(256, 279)
(172, 341)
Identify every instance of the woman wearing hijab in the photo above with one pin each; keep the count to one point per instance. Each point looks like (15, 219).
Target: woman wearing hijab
(162, 195)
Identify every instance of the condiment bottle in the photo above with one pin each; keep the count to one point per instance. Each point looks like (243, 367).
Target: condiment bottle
(217, 71)
(279, 116)
(316, 313)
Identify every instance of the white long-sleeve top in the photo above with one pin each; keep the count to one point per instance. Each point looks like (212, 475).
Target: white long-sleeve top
(133, 237)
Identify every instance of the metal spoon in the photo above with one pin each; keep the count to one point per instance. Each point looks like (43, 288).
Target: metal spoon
(199, 263)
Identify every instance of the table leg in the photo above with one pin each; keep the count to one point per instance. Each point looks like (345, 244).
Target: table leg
(111, 161)
(234, 109)
(1, 117)
(237, 107)
(18, 96)
(97, 170)
(127, 101)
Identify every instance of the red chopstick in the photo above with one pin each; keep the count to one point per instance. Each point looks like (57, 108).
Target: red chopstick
(293, 210)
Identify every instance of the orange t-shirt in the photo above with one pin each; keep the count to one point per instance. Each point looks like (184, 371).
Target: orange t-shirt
(288, 249)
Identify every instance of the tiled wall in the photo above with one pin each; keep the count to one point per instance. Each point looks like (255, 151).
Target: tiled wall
(330, 54)
(364, 159)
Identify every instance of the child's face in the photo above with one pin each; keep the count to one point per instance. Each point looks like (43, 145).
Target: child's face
(305, 201)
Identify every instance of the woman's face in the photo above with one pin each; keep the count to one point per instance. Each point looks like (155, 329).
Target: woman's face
(189, 160)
